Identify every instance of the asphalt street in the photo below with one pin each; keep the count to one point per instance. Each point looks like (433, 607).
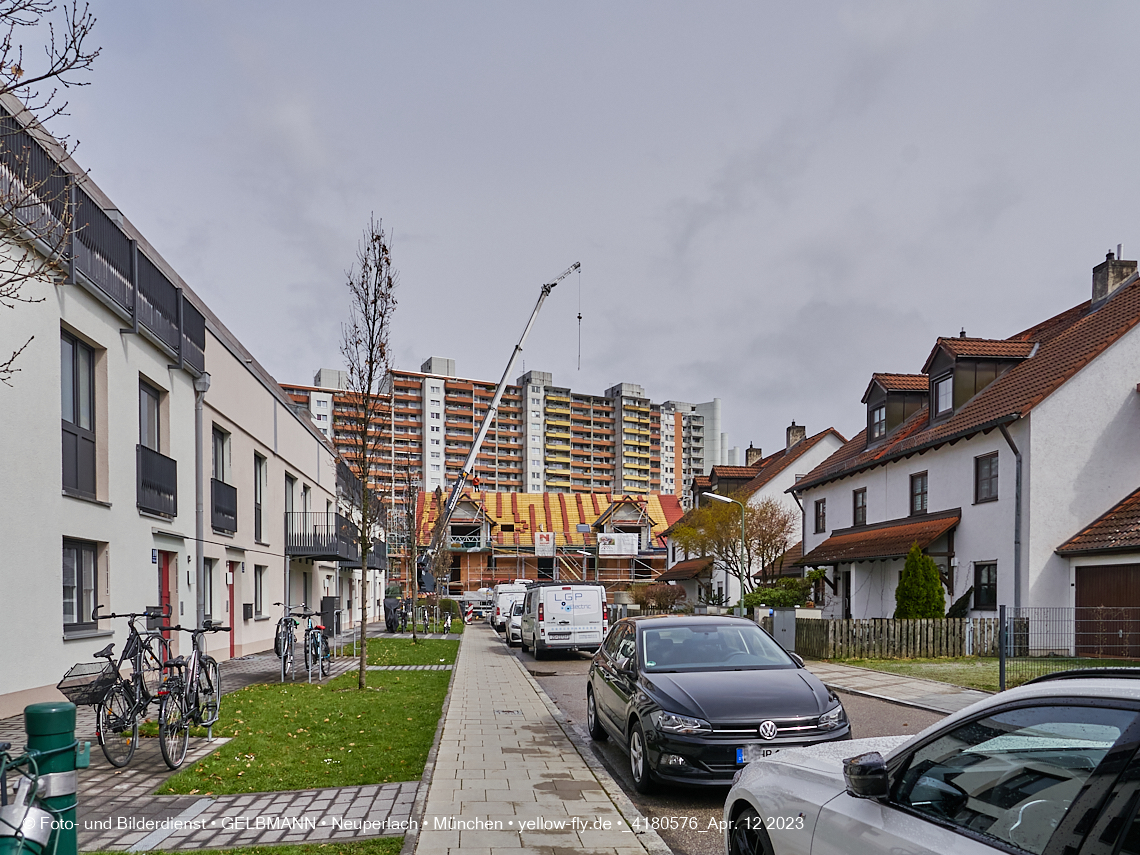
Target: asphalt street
(687, 817)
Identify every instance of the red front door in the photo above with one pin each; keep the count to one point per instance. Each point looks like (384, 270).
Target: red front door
(165, 601)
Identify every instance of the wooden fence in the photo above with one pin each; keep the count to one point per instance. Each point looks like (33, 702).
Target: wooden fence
(886, 638)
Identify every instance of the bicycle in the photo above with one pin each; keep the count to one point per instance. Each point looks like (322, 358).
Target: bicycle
(285, 639)
(317, 654)
(190, 695)
(121, 701)
(447, 623)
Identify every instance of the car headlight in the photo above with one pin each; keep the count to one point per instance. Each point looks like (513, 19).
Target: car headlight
(673, 723)
(833, 718)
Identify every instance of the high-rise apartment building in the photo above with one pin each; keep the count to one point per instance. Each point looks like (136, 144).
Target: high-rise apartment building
(544, 439)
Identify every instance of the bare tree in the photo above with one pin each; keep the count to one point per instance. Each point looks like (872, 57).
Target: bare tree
(372, 283)
(714, 530)
(35, 217)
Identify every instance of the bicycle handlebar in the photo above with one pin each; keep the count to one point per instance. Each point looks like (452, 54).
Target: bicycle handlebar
(194, 629)
(162, 612)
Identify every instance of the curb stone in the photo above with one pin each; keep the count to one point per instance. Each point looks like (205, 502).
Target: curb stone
(649, 838)
(419, 804)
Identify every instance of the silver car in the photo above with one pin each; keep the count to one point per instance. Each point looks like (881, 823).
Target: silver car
(1049, 767)
(514, 625)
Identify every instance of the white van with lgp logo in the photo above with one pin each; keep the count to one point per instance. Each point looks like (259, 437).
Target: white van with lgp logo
(559, 616)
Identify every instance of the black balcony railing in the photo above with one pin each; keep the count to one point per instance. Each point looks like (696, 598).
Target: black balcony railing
(324, 536)
(41, 192)
(156, 482)
(223, 506)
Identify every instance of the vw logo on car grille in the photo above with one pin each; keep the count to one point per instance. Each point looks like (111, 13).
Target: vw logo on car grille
(767, 729)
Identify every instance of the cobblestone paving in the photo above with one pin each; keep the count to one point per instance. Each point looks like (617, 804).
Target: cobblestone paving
(117, 810)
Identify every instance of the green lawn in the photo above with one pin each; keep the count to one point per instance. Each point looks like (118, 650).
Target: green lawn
(370, 846)
(401, 651)
(300, 736)
(977, 673)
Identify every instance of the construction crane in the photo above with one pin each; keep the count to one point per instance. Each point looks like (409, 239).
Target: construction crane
(467, 472)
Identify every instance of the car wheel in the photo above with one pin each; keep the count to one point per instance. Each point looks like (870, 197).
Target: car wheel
(639, 761)
(597, 732)
(522, 642)
(510, 640)
(747, 835)
(537, 650)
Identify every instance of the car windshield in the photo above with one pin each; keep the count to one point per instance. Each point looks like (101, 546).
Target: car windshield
(711, 647)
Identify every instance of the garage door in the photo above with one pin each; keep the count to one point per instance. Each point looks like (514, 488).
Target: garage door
(1108, 610)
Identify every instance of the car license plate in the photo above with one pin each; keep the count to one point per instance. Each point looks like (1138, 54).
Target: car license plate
(589, 636)
(753, 751)
(559, 635)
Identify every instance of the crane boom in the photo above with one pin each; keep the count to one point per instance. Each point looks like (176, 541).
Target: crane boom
(466, 472)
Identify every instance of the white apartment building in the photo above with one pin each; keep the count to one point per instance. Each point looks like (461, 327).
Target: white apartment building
(105, 512)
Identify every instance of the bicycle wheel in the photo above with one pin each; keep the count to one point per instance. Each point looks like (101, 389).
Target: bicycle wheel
(326, 657)
(173, 728)
(117, 725)
(310, 654)
(154, 652)
(209, 690)
(286, 656)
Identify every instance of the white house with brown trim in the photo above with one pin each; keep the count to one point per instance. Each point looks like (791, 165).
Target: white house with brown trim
(991, 458)
(762, 478)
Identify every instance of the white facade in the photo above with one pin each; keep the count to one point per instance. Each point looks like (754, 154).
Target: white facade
(1078, 459)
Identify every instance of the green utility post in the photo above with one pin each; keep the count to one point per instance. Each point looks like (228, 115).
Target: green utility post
(51, 741)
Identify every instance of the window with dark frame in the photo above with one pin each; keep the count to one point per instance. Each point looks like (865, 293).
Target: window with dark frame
(148, 416)
(208, 587)
(258, 494)
(77, 412)
(820, 515)
(918, 490)
(80, 578)
(985, 586)
(859, 507)
(986, 478)
(878, 422)
(943, 397)
(220, 441)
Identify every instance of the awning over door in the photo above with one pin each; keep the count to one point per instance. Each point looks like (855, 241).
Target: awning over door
(882, 541)
(684, 570)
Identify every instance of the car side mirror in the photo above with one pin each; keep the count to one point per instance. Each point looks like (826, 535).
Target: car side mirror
(799, 660)
(624, 665)
(866, 776)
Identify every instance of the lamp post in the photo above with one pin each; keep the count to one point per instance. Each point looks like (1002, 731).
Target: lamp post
(716, 497)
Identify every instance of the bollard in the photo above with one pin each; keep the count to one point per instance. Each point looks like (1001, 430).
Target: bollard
(51, 741)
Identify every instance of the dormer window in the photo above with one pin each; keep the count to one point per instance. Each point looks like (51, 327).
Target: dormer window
(943, 395)
(878, 422)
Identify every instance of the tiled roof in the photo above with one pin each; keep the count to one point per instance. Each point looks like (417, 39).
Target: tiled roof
(783, 564)
(982, 348)
(701, 481)
(899, 383)
(882, 541)
(555, 512)
(772, 466)
(735, 473)
(1116, 531)
(1067, 343)
(683, 570)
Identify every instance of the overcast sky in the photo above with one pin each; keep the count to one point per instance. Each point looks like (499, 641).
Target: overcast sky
(770, 201)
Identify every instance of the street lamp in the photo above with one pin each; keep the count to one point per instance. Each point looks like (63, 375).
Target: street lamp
(716, 497)
(585, 555)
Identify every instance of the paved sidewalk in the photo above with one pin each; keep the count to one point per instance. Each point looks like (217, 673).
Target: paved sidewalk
(910, 691)
(506, 777)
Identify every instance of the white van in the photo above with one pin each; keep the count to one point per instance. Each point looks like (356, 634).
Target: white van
(559, 616)
(506, 595)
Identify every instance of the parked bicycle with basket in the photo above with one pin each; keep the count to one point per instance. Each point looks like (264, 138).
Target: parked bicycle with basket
(121, 701)
(318, 656)
(191, 695)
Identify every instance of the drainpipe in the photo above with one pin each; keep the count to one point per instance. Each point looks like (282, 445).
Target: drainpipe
(201, 386)
(1016, 519)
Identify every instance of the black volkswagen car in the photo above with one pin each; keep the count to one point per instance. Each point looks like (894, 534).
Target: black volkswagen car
(695, 698)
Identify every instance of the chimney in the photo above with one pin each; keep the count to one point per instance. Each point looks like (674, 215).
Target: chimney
(752, 456)
(796, 433)
(1109, 275)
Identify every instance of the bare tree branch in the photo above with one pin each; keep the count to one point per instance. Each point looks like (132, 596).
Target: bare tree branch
(35, 217)
(371, 283)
